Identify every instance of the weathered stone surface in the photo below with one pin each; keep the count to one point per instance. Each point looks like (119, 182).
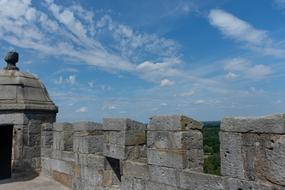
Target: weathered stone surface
(87, 126)
(62, 127)
(231, 155)
(266, 124)
(192, 139)
(263, 157)
(167, 157)
(46, 166)
(68, 140)
(63, 178)
(58, 143)
(136, 169)
(90, 160)
(233, 183)
(88, 144)
(274, 170)
(21, 91)
(159, 186)
(199, 181)
(195, 159)
(164, 175)
(130, 137)
(13, 118)
(62, 166)
(122, 124)
(173, 123)
(91, 177)
(133, 184)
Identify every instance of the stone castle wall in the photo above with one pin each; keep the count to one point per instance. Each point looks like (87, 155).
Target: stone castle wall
(166, 154)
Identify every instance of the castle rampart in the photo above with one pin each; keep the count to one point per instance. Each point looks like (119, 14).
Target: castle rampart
(166, 154)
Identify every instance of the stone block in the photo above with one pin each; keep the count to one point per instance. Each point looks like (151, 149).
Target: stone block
(88, 144)
(159, 186)
(266, 124)
(58, 143)
(68, 140)
(47, 139)
(274, 165)
(233, 183)
(35, 127)
(46, 152)
(164, 175)
(199, 181)
(195, 159)
(30, 152)
(192, 139)
(122, 124)
(173, 123)
(232, 164)
(8, 93)
(90, 160)
(62, 166)
(263, 156)
(91, 176)
(173, 158)
(133, 184)
(68, 156)
(122, 152)
(136, 169)
(87, 126)
(114, 151)
(13, 118)
(32, 139)
(130, 137)
(62, 178)
(47, 127)
(62, 127)
(46, 166)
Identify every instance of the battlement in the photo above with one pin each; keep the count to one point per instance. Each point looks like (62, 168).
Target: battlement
(167, 154)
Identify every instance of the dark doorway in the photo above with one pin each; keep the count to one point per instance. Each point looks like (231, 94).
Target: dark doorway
(6, 139)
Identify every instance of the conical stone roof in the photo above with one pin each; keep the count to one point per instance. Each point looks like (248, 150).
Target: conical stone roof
(22, 91)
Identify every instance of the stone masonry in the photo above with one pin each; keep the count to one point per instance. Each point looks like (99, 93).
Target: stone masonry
(166, 154)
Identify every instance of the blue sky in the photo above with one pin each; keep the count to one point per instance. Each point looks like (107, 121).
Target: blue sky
(105, 58)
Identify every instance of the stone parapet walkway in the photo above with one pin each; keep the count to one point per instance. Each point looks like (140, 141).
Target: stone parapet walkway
(38, 183)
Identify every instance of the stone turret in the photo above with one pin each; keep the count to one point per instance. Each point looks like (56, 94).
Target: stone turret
(24, 106)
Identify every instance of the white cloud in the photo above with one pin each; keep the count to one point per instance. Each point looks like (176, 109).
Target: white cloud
(157, 71)
(166, 82)
(71, 79)
(189, 93)
(82, 110)
(72, 32)
(239, 67)
(241, 31)
(231, 76)
(258, 71)
(280, 3)
(237, 64)
(200, 102)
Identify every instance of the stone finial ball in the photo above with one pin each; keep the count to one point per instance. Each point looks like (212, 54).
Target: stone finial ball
(12, 57)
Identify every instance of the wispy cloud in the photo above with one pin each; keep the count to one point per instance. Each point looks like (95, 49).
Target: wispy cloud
(74, 32)
(166, 82)
(280, 4)
(241, 31)
(71, 79)
(82, 110)
(239, 67)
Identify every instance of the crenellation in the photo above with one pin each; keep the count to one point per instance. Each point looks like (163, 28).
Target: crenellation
(167, 157)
